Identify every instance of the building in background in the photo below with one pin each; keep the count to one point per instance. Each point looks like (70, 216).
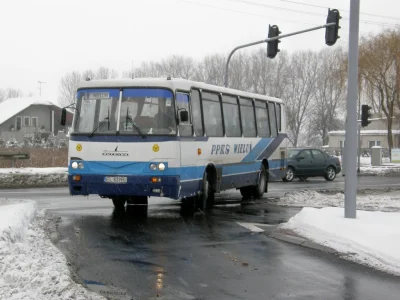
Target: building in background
(376, 134)
(21, 116)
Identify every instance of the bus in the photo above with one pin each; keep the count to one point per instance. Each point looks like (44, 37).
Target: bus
(132, 139)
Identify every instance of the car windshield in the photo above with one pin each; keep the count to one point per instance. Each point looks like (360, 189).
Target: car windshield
(293, 153)
(150, 110)
(142, 112)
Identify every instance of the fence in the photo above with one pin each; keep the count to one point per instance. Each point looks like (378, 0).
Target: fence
(38, 157)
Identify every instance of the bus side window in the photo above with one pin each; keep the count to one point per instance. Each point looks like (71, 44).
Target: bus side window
(272, 119)
(262, 119)
(196, 113)
(278, 116)
(182, 104)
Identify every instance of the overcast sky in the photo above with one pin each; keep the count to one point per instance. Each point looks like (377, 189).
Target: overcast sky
(44, 39)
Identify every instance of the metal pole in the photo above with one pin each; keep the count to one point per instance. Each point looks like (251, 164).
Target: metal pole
(266, 41)
(351, 125)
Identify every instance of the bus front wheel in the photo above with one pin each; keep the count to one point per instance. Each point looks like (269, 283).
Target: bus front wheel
(119, 202)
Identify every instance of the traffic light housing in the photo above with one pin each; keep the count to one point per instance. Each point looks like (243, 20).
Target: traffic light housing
(272, 47)
(332, 32)
(365, 115)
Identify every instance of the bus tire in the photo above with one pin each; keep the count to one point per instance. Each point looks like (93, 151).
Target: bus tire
(261, 187)
(119, 202)
(206, 198)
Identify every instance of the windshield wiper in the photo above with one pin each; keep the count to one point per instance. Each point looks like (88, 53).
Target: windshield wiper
(135, 126)
(101, 125)
(133, 123)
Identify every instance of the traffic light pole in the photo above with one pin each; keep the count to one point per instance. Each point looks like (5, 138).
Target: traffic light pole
(266, 41)
(351, 125)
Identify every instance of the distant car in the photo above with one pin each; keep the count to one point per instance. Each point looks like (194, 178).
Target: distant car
(304, 163)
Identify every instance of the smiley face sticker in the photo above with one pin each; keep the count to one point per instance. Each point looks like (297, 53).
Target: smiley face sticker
(156, 148)
(79, 147)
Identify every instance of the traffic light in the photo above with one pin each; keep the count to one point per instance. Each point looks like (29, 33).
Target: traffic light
(272, 48)
(365, 114)
(332, 32)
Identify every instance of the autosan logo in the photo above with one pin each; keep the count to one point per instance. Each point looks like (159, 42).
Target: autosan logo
(115, 152)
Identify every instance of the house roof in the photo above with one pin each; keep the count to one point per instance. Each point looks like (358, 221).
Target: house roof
(13, 106)
(365, 132)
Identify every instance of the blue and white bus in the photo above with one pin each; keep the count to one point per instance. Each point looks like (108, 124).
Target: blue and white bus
(138, 138)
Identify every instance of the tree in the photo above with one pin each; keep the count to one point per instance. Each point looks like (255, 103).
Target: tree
(330, 94)
(68, 86)
(13, 93)
(379, 68)
(301, 90)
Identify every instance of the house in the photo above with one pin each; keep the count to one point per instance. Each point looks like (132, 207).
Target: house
(375, 134)
(21, 116)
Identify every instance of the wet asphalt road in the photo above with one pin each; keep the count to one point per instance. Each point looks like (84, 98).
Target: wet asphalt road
(164, 255)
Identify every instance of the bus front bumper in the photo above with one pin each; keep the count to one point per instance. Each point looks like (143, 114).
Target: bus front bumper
(129, 185)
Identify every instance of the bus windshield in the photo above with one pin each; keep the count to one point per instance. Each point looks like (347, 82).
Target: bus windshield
(142, 112)
(150, 110)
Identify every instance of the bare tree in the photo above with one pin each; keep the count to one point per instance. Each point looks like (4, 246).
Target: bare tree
(330, 94)
(68, 86)
(211, 70)
(13, 93)
(106, 73)
(379, 67)
(301, 91)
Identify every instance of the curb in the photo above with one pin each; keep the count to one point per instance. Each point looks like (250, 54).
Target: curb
(292, 238)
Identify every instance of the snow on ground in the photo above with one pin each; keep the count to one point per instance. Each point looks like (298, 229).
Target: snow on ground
(33, 170)
(31, 267)
(307, 198)
(373, 238)
(33, 177)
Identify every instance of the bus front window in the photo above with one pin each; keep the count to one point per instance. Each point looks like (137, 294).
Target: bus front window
(97, 110)
(149, 110)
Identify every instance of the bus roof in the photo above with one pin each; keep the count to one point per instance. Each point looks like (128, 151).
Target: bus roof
(173, 83)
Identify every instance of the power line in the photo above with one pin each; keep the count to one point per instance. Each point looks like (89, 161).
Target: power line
(319, 6)
(306, 12)
(246, 13)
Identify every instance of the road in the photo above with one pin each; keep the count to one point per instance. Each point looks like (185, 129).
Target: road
(207, 256)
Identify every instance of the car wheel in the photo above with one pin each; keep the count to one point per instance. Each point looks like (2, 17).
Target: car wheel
(289, 175)
(330, 173)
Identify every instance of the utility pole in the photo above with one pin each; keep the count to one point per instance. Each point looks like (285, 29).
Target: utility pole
(351, 125)
(40, 87)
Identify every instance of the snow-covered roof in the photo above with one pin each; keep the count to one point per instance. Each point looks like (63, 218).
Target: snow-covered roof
(13, 106)
(365, 132)
(173, 83)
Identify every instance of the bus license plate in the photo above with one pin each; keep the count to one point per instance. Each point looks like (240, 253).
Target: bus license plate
(116, 179)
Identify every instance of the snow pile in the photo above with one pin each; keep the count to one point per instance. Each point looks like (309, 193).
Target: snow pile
(373, 238)
(307, 198)
(33, 177)
(31, 267)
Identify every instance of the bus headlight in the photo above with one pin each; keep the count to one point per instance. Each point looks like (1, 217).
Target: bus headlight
(153, 167)
(80, 165)
(74, 165)
(161, 166)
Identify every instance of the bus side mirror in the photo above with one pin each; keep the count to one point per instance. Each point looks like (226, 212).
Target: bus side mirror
(63, 116)
(184, 115)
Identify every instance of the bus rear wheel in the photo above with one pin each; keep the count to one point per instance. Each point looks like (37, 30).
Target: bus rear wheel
(206, 198)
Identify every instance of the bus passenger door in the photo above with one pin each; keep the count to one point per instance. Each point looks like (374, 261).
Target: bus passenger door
(185, 129)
